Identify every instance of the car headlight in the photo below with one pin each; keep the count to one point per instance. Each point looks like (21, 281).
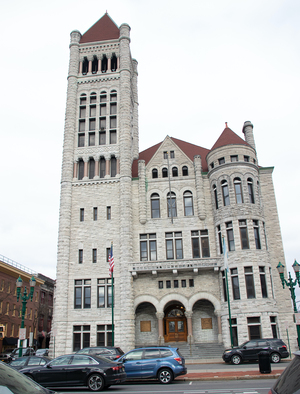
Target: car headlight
(227, 351)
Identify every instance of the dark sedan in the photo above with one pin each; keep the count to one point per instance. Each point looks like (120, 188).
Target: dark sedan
(75, 370)
(30, 361)
(12, 381)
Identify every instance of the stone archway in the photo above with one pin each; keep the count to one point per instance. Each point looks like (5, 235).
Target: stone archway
(146, 325)
(205, 322)
(175, 323)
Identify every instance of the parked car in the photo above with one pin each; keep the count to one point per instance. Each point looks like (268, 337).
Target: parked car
(250, 350)
(13, 354)
(110, 352)
(289, 382)
(12, 381)
(74, 370)
(163, 363)
(30, 361)
(42, 352)
(5, 355)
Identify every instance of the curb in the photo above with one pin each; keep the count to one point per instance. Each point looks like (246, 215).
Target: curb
(247, 375)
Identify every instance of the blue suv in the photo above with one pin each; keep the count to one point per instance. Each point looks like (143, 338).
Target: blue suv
(162, 362)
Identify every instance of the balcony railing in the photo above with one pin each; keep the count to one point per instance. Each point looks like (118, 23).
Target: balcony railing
(17, 265)
(179, 265)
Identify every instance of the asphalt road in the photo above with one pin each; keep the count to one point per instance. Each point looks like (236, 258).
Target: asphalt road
(258, 386)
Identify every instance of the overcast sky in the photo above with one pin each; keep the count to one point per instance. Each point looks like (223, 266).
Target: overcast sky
(201, 63)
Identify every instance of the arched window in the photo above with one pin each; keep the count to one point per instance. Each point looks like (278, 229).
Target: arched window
(93, 98)
(85, 66)
(113, 166)
(174, 171)
(225, 192)
(104, 64)
(185, 171)
(80, 169)
(165, 172)
(188, 203)
(172, 204)
(102, 167)
(113, 62)
(216, 196)
(238, 190)
(154, 173)
(91, 168)
(95, 65)
(250, 190)
(155, 210)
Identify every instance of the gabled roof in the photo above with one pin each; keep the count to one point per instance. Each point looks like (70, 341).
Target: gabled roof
(228, 137)
(189, 149)
(103, 30)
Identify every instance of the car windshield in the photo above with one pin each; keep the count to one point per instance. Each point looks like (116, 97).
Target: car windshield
(16, 382)
(289, 381)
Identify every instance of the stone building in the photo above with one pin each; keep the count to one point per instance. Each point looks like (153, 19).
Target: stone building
(166, 210)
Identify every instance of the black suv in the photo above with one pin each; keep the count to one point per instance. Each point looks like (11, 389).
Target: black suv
(249, 351)
(289, 382)
(110, 352)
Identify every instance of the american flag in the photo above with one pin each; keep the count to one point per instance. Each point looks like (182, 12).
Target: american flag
(111, 261)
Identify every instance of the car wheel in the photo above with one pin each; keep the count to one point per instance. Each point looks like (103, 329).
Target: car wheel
(165, 376)
(236, 359)
(275, 358)
(95, 382)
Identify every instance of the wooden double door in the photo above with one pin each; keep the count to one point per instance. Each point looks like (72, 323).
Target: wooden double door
(175, 329)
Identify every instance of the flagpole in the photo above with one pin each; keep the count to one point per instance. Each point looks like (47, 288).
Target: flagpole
(112, 311)
(227, 290)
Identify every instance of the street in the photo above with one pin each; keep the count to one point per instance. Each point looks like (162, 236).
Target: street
(255, 386)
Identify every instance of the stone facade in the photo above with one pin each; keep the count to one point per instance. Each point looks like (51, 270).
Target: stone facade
(169, 252)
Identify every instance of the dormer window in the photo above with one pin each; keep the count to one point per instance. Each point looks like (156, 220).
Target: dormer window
(154, 173)
(185, 171)
(174, 171)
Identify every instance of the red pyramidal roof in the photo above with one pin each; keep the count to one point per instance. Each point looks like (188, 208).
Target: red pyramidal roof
(228, 137)
(103, 30)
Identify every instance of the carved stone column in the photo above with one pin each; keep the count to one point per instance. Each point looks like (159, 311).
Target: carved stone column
(97, 164)
(75, 170)
(85, 169)
(160, 318)
(142, 192)
(218, 314)
(80, 67)
(99, 65)
(199, 187)
(108, 64)
(107, 166)
(190, 337)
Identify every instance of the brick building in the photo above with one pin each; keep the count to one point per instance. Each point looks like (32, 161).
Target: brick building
(10, 308)
(166, 210)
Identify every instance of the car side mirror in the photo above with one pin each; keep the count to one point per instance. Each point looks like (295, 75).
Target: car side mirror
(123, 360)
(244, 347)
(48, 366)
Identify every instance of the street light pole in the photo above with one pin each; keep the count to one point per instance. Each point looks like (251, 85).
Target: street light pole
(291, 284)
(24, 298)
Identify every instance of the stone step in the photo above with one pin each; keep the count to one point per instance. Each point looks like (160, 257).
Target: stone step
(199, 350)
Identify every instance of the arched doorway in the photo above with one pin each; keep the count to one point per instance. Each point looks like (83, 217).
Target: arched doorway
(175, 327)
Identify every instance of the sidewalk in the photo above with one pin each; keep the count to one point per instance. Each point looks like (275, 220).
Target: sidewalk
(217, 370)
